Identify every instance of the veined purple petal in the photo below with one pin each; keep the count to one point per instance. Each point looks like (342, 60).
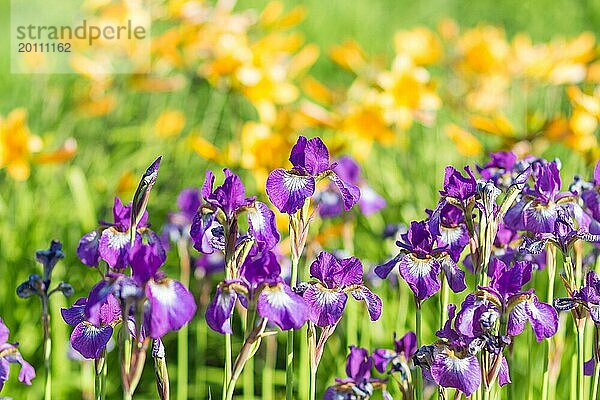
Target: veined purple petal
(467, 323)
(455, 239)
(458, 186)
(348, 170)
(540, 218)
(171, 306)
(384, 270)
(87, 251)
(510, 280)
(110, 311)
(543, 318)
(517, 319)
(282, 306)
(4, 332)
(503, 372)
(421, 274)
(231, 195)
(450, 371)
(260, 268)
(219, 311)
(325, 306)
(407, 344)
(4, 372)
(350, 193)
(114, 247)
(311, 155)
(372, 301)
(289, 190)
(358, 364)
(324, 268)
(89, 340)
(145, 259)
(454, 275)
(262, 225)
(349, 273)
(72, 315)
(207, 187)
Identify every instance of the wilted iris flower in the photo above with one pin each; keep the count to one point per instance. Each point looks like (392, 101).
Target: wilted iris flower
(9, 354)
(420, 263)
(258, 284)
(288, 190)
(359, 385)
(331, 202)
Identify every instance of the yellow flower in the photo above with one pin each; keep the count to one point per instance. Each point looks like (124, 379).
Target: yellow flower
(19, 147)
(203, 147)
(420, 44)
(349, 55)
(17, 143)
(483, 50)
(466, 143)
(169, 123)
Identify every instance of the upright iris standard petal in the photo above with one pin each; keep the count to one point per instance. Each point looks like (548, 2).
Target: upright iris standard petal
(282, 306)
(372, 301)
(219, 311)
(462, 373)
(326, 306)
(231, 195)
(87, 250)
(171, 304)
(421, 274)
(262, 225)
(454, 275)
(90, 340)
(288, 191)
(310, 155)
(145, 260)
(458, 186)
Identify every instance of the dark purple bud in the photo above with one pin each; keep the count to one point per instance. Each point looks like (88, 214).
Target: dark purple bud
(66, 289)
(49, 258)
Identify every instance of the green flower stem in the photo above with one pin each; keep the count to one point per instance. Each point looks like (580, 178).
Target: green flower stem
(267, 372)
(182, 334)
(248, 374)
(548, 346)
(100, 377)
(418, 377)
(47, 348)
(580, 356)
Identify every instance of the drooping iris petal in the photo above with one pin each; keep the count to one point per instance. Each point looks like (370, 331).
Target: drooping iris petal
(350, 193)
(171, 306)
(421, 274)
(454, 275)
(311, 155)
(372, 301)
(289, 190)
(450, 371)
(517, 319)
(540, 218)
(114, 247)
(504, 372)
(4, 332)
(87, 250)
(27, 372)
(282, 306)
(4, 372)
(74, 314)
(384, 270)
(90, 340)
(262, 225)
(543, 318)
(325, 306)
(218, 312)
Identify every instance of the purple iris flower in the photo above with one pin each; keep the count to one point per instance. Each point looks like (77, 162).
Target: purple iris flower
(588, 297)
(259, 283)
(9, 354)
(396, 360)
(331, 202)
(591, 199)
(359, 384)
(327, 296)
(420, 263)
(92, 334)
(505, 297)
(447, 224)
(288, 190)
(167, 305)
(111, 242)
(538, 209)
(220, 210)
(458, 187)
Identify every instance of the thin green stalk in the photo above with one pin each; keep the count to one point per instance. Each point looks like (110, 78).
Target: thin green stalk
(100, 377)
(182, 334)
(248, 374)
(594, 393)
(201, 344)
(313, 382)
(227, 367)
(267, 372)
(580, 358)
(551, 267)
(530, 366)
(289, 360)
(418, 378)
(47, 348)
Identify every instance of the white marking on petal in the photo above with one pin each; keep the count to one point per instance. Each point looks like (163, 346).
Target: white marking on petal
(117, 240)
(456, 364)
(164, 293)
(451, 235)
(418, 267)
(294, 183)
(276, 297)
